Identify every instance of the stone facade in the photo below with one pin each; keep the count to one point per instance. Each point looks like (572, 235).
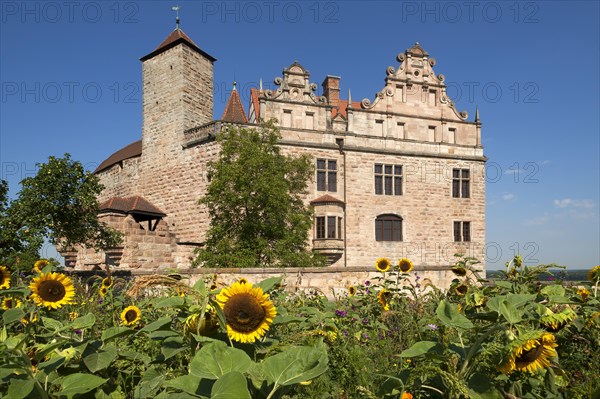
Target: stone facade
(401, 175)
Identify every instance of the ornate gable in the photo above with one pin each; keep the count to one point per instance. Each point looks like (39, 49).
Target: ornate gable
(295, 87)
(415, 76)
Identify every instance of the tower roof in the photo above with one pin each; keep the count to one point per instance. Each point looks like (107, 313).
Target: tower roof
(176, 37)
(234, 110)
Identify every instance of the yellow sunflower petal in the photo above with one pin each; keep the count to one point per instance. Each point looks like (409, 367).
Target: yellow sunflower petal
(4, 277)
(131, 315)
(52, 290)
(405, 265)
(382, 265)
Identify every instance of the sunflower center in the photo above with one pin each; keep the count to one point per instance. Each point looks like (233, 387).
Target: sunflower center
(8, 303)
(130, 315)
(52, 291)
(404, 266)
(244, 313)
(529, 356)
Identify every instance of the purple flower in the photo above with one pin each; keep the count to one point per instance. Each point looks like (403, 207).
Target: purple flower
(78, 332)
(365, 321)
(418, 285)
(345, 333)
(367, 283)
(418, 277)
(432, 326)
(366, 336)
(341, 313)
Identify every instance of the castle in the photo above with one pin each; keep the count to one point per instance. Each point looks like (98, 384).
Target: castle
(401, 175)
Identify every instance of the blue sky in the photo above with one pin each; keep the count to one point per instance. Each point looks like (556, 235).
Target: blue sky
(70, 80)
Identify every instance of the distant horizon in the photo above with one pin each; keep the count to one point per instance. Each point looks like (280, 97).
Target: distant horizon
(70, 80)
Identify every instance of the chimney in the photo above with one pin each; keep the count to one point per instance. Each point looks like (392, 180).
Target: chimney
(331, 90)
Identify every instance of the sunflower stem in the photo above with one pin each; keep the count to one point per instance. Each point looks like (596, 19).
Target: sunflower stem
(275, 387)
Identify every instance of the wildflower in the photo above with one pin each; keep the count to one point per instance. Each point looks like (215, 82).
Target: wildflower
(38, 266)
(594, 274)
(73, 315)
(432, 326)
(384, 297)
(583, 293)
(52, 290)
(382, 265)
(10, 302)
(248, 311)
(341, 313)
(405, 265)
(4, 277)
(531, 354)
(367, 283)
(131, 315)
(406, 395)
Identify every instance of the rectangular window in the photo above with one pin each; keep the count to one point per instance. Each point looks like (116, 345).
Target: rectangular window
(287, 118)
(462, 231)
(309, 120)
(461, 182)
(431, 133)
(431, 98)
(451, 135)
(331, 225)
(320, 227)
(400, 130)
(379, 127)
(327, 175)
(388, 228)
(399, 92)
(339, 230)
(388, 179)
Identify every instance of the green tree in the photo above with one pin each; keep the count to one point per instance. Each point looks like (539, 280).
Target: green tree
(258, 217)
(58, 204)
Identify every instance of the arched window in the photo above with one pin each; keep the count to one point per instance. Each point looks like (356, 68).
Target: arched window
(388, 228)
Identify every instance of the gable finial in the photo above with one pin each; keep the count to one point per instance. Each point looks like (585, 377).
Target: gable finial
(477, 114)
(234, 84)
(349, 99)
(260, 85)
(176, 9)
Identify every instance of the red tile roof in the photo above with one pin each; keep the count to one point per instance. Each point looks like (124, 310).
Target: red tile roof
(254, 94)
(326, 199)
(234, 110)
(134, 205)
(341, 108)
(176, 37)
(131, 151)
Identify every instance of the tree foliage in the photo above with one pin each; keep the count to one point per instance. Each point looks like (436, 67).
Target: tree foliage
(58, 204)
(258, 217)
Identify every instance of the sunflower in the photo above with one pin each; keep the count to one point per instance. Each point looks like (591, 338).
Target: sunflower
(103, 291)
(52, 290)
(193, 324)
(4, 277)
(107, 282)
(28, 318)
(243, 281)
(10, 302)
(351, 290)
(531, 354)
(405, 265)
(594, 274)
(382, 265)
(131, 315)
(213, 287)
(38, 266)
(459, 271)
(554, 322)
(583, 293)
(461, 289)
(384, 297)
(248, 311)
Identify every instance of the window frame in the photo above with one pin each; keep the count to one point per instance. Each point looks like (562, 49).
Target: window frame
(326, 177)
(461, 183)
(393, 233)
(462, 231)
(388, 179)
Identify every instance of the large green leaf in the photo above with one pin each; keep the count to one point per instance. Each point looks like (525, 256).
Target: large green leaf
(52, 324)
(232, 385)
(554, 289)
(418, 349)
(449, 316)
(149, 384)
(187, 383)
(12, 315)
(173, 301)
(295, 365)
(172, 346)
(162, 323)
(20, 387)
(510, 312)
(116, 332)
(78, 383)
(517, 300)
(269, 283)
(99, 359)
(217, 359)
(82, 322)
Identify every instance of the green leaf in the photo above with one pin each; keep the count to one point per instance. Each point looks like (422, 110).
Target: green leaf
(232, 385)
(419, 348)
(78, 383)
(100, 359)
(51, 365)
(216, 359)
(82, 322)
(554, 289)
(269, 283)
(295, 365)
(187, 383)
(449, 316)
(149, 384)
(172, 346)
(20, 387)
(163, 334)
(503, 284)
(170, 302)
(159, 324)
(12, 315)
(510, 313)
(116, 332)
(52, 324)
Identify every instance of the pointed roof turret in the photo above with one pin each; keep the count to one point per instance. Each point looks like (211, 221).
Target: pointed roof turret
(234, 110)
(176, 37)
